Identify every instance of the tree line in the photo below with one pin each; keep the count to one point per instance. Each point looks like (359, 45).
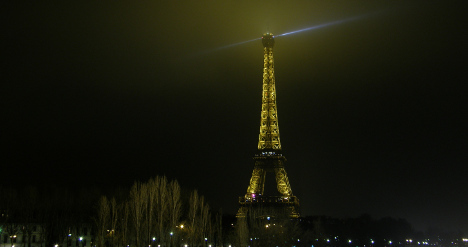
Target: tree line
(156, 212)
(160, 213)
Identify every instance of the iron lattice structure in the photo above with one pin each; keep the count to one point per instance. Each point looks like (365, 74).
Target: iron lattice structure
(269, 159)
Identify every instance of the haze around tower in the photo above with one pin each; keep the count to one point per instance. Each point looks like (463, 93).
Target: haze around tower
(371, 111)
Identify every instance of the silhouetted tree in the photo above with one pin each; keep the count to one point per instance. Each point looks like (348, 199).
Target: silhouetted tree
(138, 201)
(161, 209)
(174, 209)
(102, 221)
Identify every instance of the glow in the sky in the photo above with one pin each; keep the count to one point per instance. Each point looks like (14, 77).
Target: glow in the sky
(226, 46)
(292, 32)
(320, 26)
(236, 44)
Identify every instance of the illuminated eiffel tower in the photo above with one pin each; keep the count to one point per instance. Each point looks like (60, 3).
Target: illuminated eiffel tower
(269, 161)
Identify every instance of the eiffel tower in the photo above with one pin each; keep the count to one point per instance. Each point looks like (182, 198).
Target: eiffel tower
(269, 161)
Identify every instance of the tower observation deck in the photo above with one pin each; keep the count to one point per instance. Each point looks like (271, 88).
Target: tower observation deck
(269, 161)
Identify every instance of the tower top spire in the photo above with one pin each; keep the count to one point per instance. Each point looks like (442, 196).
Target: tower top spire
(268, 40)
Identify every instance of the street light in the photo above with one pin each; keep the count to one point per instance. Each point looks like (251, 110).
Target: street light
(171, 237)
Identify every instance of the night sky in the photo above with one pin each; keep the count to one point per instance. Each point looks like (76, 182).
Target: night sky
(372, 111)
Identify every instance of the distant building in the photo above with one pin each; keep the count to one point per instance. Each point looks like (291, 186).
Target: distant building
(17, 237)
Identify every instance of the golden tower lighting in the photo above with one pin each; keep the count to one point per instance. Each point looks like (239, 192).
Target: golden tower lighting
(269, 159)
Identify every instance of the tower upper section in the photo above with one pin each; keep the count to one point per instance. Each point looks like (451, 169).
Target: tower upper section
(269, 138)
(268, 40)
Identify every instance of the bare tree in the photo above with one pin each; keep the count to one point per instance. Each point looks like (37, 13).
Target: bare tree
(175, 209)
(123, 223)
(218, 229)
(192, 217)
(161, 208)
(102, 220)
(113, 218)
(205, 221)
(199, 219)
(152, 191)
(154, 209)
(138, 200)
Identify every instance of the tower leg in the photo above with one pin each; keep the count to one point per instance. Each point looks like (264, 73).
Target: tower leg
(256, 181)
(282, 182)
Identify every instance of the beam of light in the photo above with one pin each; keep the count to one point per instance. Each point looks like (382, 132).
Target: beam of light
(321, 26)
(227, 46)
(294, 32)
(235, 44)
